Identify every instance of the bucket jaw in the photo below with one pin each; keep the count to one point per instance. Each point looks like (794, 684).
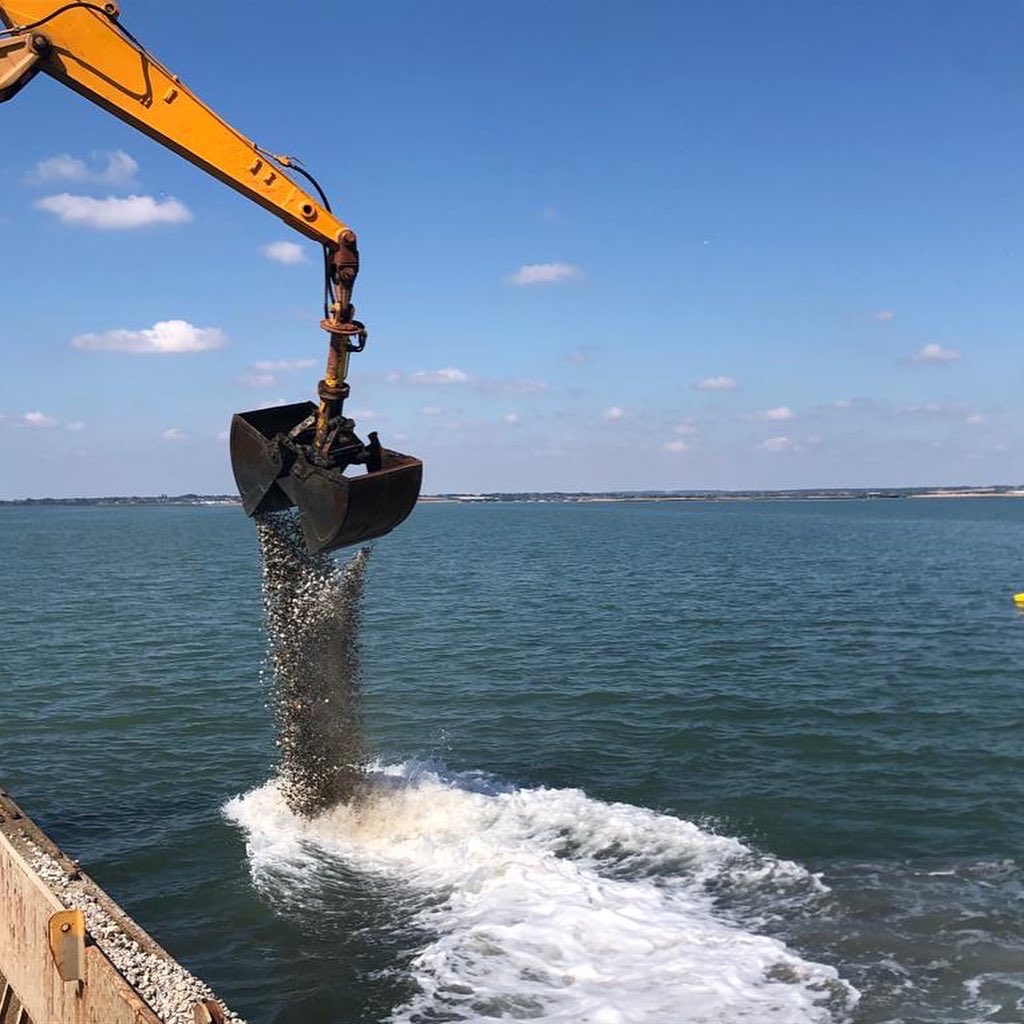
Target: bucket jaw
(277, 466)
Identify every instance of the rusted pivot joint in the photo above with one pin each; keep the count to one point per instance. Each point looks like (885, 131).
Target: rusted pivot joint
(347, 335)
(344, 266)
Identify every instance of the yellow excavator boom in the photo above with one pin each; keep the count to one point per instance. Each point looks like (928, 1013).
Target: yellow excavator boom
(295, 454)
(82, 46)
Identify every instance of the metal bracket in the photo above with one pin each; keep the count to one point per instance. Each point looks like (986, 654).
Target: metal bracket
(209, 1011)
(67, 943)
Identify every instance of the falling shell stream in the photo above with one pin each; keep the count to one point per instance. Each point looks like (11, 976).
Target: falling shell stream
(312, 608)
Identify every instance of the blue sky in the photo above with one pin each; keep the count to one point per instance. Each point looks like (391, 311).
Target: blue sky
(661, 245)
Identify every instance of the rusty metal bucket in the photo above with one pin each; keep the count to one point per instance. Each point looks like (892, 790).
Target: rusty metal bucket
(269, 449)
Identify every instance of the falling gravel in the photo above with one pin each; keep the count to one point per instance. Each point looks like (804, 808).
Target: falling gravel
(312, 608)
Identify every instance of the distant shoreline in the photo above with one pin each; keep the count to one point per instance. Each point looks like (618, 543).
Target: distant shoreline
(561, 497)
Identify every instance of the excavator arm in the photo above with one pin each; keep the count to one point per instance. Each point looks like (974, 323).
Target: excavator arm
(289, 455)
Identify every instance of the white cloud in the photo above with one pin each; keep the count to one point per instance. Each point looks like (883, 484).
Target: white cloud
(856, 404)
(549, 213)
(511, 418)
(114, 213)
(453, 375)
(613, 414)
(448, 375)
(944, 410)
(935, 353)
(432, 410)
(577, 357)
(75, 425)
(285, 252)
(513, 385)
(164, 337)
(173, 434)
(257, 380)
(676, 446)
(38, 419)
(776, 444)
(716, 384)
(279, 365)
(223, 436)
(781, 412)
(688, 428)
(545, 273)
(882, 315)
(119, 169)
(928, 409)
(62, 167)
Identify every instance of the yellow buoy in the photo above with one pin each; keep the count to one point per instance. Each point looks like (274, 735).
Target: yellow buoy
(1018, 599)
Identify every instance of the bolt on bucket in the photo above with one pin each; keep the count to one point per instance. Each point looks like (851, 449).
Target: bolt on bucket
(275, 467)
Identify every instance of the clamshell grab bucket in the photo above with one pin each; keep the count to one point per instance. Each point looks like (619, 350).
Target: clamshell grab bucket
(269, 450)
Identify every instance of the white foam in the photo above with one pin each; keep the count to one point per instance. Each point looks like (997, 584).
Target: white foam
(552, 906)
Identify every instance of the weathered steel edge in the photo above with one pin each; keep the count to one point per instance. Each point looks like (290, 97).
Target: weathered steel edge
(103, 996)
(18, 827)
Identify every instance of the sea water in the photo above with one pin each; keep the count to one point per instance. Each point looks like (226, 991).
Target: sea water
(653, 762)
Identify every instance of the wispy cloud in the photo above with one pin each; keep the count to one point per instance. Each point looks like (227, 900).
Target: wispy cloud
(883, 316)
(174, 434)
(264, 372)
(578, 357)
(257, 380)
(511, 385)
(676, 446)
(166, 337)
(511, 418)
(935, 353)
(776, 444)
(613, 414)
(716, 384)
(285, 252)
(856, 404)
(687, 428)
(115, 213)
(282, 365)
(39, 420)
(779, 413)
(452, 375)
(948, 409)
(546, 273)
(117, 169)
(447, 375)
(432, 410)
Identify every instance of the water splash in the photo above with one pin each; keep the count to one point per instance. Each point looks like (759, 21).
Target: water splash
(546, 904)
(312, 608)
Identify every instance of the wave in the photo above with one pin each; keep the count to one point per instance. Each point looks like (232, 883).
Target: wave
(548, 904)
